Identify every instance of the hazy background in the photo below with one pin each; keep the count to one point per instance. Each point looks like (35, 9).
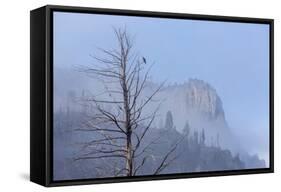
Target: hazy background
(232, 57)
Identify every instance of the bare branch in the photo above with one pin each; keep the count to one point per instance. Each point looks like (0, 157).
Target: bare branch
(164, 163)
(142, 163)
(98, 129)
(99, 157)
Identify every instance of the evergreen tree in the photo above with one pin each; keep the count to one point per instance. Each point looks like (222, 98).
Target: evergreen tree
(169, 123)
(186, 129)
(202, 139)
(196, 139)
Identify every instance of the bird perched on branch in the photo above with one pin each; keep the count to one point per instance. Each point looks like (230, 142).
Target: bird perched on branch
(144, 60)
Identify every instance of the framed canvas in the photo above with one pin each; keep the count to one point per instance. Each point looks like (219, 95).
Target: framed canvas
(123, 95)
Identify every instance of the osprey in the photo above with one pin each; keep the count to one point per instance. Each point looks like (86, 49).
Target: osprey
(144, 60)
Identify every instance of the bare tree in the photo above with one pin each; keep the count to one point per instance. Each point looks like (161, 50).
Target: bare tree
(118, 116)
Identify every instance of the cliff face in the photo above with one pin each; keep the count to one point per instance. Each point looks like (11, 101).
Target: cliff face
(202, 98)
(194, 102)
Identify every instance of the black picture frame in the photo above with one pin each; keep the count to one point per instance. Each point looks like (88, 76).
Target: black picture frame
(41, 99)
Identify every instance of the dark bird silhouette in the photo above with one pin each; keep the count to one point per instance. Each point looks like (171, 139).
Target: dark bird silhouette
(144, 60)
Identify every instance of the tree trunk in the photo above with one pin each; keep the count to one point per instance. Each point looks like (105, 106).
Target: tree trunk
(129, 158)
